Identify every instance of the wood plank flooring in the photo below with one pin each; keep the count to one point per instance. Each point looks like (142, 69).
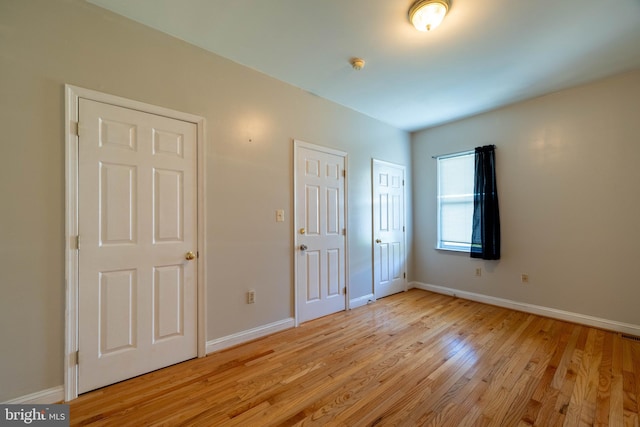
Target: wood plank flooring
(412, 359)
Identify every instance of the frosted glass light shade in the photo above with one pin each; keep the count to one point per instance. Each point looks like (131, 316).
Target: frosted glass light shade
(426, 15)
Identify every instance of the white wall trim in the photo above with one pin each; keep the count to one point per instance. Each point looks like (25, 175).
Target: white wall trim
(72, 97)
(249, 335)
(583, 319)
(43, 397)
(360, 301)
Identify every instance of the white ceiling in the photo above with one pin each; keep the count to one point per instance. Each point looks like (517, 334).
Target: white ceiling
(486, 53)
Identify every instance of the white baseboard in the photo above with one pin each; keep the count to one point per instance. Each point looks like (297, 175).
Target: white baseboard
(43, 397)
(583, 319)
(360, 301)
(248, 335)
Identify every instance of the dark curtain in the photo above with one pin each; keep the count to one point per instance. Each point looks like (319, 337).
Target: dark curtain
(485, 238)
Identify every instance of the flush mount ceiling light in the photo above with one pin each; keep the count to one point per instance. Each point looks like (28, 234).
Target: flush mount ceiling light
(426, 15)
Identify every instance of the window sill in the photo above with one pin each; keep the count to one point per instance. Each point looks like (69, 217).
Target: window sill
(458, 250)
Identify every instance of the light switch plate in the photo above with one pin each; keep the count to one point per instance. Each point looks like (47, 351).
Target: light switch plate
(280, 215)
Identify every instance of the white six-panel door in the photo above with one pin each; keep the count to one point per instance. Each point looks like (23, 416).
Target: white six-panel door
(388, 229)
(320, 232)
(137, 221)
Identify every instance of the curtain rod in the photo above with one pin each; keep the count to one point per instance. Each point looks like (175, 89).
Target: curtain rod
(459, 153)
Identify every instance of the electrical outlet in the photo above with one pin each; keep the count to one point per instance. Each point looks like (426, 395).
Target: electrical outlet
(251, 297)
(524, 278)
(478, 272)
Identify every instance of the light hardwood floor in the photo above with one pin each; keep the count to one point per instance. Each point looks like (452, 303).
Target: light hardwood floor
(412, 359)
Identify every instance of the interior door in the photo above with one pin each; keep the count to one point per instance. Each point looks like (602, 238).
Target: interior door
(137, 304)
(389, 262)
(320, 232)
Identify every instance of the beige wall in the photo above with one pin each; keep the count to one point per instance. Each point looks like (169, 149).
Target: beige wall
(45, 44)
(568, 181)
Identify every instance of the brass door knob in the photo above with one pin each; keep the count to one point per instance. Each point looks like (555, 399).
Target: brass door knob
(378, 241)
(189, 256)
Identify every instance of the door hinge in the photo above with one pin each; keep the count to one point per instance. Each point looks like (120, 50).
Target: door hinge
(75, 242)
(344, 173)
(75, 128)
(344, 290)
(76, 356)
(344, 231)
(403, 182)
(404, 275)
(403, 228)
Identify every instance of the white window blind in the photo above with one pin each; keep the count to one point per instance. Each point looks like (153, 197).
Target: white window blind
(455, 201)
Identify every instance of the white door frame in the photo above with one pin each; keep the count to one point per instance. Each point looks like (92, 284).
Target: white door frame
(373, 225)
(301, 144)
(72, 96)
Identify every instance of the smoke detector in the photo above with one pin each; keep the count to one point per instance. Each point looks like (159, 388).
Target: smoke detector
(357, 63)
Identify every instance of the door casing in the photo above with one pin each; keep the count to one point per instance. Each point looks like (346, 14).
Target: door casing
(72, 96)
(301, 144)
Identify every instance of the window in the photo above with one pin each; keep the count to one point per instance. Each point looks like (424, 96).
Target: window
(455, 201)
